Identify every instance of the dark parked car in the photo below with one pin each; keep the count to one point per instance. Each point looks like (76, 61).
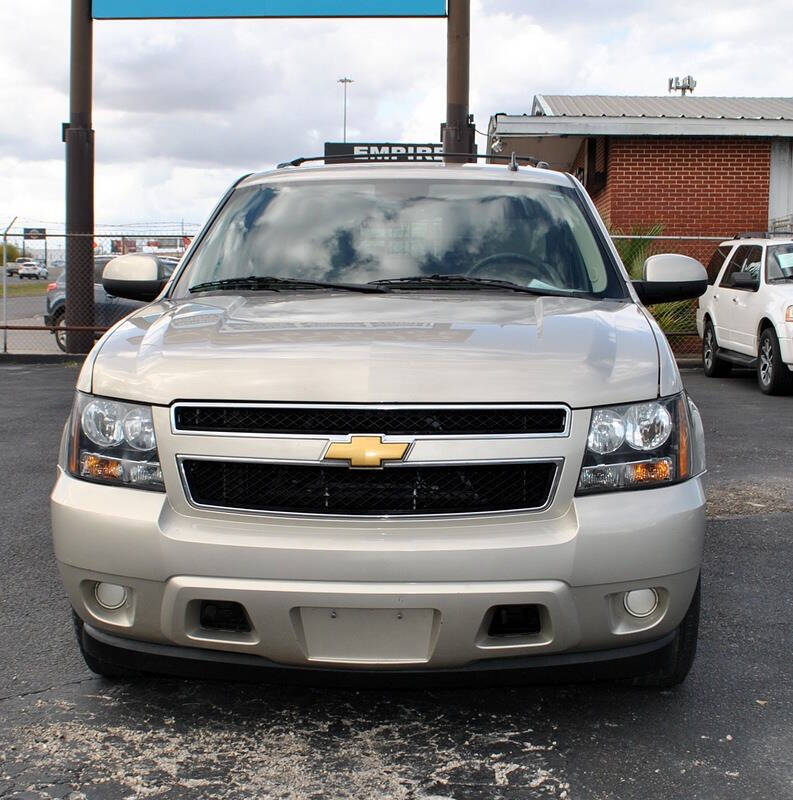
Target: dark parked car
(107, 308)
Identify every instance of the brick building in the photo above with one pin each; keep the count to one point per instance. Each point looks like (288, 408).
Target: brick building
(698, 166)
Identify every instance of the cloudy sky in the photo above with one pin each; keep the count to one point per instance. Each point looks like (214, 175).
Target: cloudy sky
(184, 107)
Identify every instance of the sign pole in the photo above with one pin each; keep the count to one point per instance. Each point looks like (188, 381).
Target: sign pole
(5, 283)
(458, 135)
(79, 137)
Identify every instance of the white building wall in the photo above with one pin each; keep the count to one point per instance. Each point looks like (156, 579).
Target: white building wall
(780, 192)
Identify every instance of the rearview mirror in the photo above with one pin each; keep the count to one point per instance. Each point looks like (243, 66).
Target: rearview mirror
(134, 277)
(668, 277)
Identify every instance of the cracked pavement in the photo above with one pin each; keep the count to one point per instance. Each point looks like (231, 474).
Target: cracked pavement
(726, 733)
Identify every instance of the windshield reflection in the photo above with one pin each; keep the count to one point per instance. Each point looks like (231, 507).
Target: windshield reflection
(357, 232)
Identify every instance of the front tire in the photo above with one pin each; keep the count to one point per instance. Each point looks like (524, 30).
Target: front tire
(773, 376)
(674, 672)
(59, 323)
(712, 365)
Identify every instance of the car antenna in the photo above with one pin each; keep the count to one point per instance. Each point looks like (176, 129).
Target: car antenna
(513, 162)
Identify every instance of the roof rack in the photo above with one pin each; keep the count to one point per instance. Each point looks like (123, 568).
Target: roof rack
(762, 234)
(512, 160)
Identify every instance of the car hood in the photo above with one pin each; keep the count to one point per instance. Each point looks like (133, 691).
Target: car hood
(341, 347)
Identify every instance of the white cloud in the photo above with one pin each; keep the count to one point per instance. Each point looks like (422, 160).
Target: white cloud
(181, 108)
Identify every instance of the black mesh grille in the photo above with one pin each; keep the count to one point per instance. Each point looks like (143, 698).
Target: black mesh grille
(407, 421)
(393, 490)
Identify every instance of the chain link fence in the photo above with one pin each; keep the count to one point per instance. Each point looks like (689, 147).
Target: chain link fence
(41, 274)
(677, 320)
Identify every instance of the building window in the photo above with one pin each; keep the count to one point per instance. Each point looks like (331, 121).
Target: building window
(597, 157)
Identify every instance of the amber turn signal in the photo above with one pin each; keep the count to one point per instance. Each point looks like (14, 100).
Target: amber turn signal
(101, 468)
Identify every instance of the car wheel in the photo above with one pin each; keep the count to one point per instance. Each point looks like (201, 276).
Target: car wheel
(59, 323)
(773, 376)
(678, 666)
(713, 366)
(99, 665)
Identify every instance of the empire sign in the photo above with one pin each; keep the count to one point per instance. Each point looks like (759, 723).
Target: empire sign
(341, 152)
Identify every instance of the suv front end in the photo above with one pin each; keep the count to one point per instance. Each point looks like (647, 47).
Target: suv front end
(406, 482)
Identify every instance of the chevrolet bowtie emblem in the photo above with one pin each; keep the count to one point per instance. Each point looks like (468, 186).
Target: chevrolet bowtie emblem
(366, 451)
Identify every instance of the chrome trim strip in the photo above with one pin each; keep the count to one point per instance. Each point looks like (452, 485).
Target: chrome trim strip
(377, 407)
(558, 462)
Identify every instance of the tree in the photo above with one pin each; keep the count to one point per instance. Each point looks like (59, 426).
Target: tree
(12, 252)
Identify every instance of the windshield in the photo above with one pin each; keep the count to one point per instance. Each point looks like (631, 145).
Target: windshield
(357, 232)
(779, 262)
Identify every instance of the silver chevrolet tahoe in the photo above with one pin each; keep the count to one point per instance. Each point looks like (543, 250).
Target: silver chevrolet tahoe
(394, 419)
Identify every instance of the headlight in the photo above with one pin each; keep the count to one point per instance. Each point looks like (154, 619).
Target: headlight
(114, 442)
(643, 445)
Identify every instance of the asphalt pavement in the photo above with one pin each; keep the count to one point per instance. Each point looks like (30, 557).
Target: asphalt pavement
(28, 310)
(726, 733)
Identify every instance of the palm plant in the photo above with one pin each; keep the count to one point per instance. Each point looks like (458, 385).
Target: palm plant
(678, 317)
(635, 250)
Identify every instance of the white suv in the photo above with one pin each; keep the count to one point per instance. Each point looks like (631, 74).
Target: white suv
(745, 317)
(32, 270)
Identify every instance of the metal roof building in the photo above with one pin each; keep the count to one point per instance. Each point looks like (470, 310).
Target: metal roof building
(711, 163)
(691, 107)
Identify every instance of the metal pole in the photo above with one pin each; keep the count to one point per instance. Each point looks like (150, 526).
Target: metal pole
(345, 81)
(79, 137)
(457, 136)
(5, 284)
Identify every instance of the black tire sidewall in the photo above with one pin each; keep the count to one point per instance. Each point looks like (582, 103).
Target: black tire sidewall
(717, 367)
(56, 321)
(781, 378)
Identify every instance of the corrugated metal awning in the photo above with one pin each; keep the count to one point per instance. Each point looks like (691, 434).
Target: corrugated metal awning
(689, 107)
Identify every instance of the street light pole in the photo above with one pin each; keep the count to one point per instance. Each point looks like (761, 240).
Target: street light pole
(345, 81)
(5, 283)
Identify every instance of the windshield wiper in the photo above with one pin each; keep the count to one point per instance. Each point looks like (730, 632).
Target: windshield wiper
(465, 282)
(263, 282)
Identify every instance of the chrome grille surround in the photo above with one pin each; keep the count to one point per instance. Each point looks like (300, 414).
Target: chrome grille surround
(325, 432)
(457, 444)
(185, 461)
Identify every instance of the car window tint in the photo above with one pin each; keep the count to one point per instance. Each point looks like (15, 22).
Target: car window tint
(99, 268)
(746, 258)
(779, 262)
(717, 262)
(168, 265)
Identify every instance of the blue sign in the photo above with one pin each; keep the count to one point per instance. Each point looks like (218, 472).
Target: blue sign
(194, 9)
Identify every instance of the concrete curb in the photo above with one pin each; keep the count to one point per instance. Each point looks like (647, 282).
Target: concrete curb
(41, 358)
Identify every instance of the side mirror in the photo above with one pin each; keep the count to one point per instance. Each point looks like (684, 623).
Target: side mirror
(744, 280)
(134, 277)
(669, 277)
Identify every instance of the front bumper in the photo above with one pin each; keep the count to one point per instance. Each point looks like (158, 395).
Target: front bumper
(786, 350)
(332, 594)
(193, 662)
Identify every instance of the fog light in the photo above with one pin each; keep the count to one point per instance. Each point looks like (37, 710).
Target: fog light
(110, 595)
(641, 602)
